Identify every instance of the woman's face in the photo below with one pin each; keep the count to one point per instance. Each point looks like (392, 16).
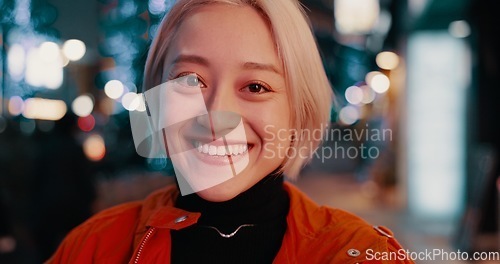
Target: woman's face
(243, 135)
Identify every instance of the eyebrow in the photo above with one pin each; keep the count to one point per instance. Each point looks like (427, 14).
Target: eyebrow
(261, 66)
(183, 58)
(191, 59)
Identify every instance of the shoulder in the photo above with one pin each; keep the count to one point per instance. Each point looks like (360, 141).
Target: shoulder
(111, 230)
(128, 214)
(335, 236)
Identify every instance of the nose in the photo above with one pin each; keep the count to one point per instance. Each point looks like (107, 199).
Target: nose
(223, 111)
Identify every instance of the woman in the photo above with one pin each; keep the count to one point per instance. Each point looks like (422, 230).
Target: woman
(235, 82)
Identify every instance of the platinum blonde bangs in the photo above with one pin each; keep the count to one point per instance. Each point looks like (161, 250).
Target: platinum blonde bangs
(310, 93)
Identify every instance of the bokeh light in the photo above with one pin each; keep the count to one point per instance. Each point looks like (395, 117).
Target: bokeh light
(82, 105)
(65, 60)
(348, 115)
(368, 94)
(378, 81)
(49, 52)
(40, 72)
(74, 49)
(44, 109)
(356, 16)
(131, 101)
(157, 7)
(113, 89)
(387, 60)
(16, 58)
(16, 105)
(94, 148)
(459, 29)
(369, 76)
(86, 123)
(354, 95)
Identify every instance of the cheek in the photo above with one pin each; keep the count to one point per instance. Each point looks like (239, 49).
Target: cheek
(275, 132)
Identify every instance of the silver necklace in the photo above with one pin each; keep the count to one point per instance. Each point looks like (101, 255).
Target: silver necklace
(230, 234)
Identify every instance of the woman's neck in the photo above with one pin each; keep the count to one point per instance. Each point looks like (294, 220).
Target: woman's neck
(246, 229)
(264, 201)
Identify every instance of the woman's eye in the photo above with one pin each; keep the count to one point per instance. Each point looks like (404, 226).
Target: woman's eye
(190, 79)
(257, 88)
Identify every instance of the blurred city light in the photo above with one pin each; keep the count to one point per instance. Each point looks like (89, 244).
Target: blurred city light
(378, 81)
(356, 16)
(369, 76)
(131, 101)
(459, 29)
(416, 7)
(94, 148)
(44, 109)
(157, 7)
(40, 72)
(436, 124)
(348, 115)
(387, 60)
(86, 123)
(34, 69)
(82, 105)
(354, 95)
(65, 60)
(16, 105)
(114, 89)
(16, 58)
(368, 94)
(74, 49)
(22, 14)
(49, 52)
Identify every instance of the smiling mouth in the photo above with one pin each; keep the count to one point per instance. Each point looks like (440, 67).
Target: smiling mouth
(221, 151)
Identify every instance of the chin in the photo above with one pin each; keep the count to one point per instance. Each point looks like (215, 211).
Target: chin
(220, 193)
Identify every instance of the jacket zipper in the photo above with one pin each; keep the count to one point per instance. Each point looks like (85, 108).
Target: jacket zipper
(143, 243)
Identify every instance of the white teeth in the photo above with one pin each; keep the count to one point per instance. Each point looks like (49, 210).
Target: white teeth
(212, 150)
(221, 150)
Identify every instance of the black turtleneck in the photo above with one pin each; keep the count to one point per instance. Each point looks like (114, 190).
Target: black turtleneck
(265, 206)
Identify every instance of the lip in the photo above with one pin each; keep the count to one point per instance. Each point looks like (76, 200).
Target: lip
(222, 141)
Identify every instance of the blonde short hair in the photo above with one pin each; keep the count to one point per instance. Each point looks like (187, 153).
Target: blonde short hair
(309, 90)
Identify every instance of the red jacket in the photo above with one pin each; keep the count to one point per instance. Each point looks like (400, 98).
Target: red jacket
(139, 232)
